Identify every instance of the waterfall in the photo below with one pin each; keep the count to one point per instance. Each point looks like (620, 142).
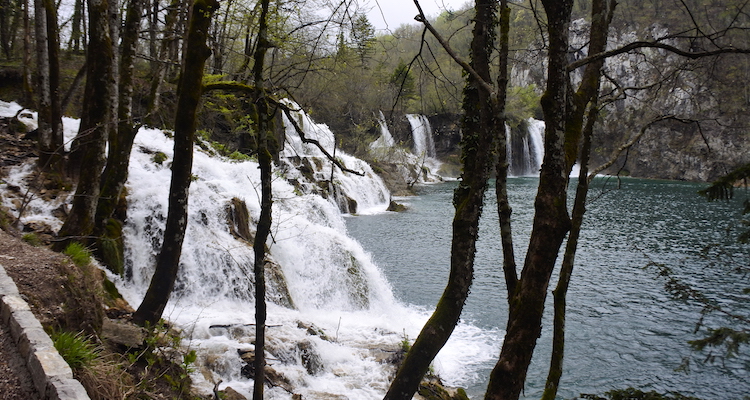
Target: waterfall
(333, 335)
(424, 145)
(385, 140)
(352, 193)
(525, 149)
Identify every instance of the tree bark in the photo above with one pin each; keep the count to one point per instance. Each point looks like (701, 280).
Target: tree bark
(265, 132)
(189, 91)
(96, 121)
(504, 209)
(120, 145)
(566, 270)
(160, 64)
(479, 128)
(27, 85)
(48, 82)
(74, 43)
(585, 97)
(550, 225)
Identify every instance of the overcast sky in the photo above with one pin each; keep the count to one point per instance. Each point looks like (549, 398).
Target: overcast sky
(390, 14)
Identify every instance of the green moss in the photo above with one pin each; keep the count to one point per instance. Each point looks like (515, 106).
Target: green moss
(111, 248)
(159, 158)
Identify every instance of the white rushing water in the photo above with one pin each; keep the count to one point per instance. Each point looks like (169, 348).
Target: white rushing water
(525, 157)
(424, 144)
(345, 321)
(419, 166)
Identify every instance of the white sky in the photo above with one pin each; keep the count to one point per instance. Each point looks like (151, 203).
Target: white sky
(393, 13)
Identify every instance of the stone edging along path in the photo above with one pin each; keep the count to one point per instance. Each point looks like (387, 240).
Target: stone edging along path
(52, 376)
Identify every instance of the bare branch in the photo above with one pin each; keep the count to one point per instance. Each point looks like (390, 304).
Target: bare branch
(448, 49)
(288, 112)
(241, 87)
(616, 154)
(658, 45)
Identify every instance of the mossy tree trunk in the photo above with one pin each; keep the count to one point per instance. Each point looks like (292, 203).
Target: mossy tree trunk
(96, 123)
(551, 221)
(188, 98)
(480, 127)
(263, 120)
(564, 117)
(585, 98)
(504, 209)
(109, 242)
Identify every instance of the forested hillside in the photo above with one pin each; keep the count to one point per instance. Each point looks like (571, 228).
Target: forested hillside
(335, 67)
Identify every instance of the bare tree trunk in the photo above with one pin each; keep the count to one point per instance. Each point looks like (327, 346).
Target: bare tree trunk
(265, 159)
(27, 85)
(74, 43)
(585, 97)
(189, 91)
(480, 127)
(48, 70)
(44, 102)
(159, 72)
(551, 221)
(108, 230)
(9, 17)
(566, 270)
(96, 120)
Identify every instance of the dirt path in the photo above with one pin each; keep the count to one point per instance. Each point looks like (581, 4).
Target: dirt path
(15, 380)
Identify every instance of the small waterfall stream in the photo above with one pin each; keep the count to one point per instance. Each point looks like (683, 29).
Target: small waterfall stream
(526, 149)
(424, 145)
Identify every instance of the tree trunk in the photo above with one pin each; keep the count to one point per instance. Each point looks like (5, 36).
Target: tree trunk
(44, 101)
(504, 210)
(75, 34)
(115, 174)
(51, 139)
(96, 120)
(551, 221)
(188, 98)
(159, 71)
(27, 85)
(566, 270)
(479, 128)
(265, 132)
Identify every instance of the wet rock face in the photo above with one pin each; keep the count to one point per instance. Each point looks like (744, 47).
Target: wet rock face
(680, 151)
(446, 132)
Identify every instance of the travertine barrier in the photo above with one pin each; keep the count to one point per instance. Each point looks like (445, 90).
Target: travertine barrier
(52, 376)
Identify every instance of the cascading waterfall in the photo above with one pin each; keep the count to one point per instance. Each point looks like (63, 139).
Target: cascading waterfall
(420, 166)
(353, 193)
(383, 145)
(424, 145)
(525, 150)
(333, 336)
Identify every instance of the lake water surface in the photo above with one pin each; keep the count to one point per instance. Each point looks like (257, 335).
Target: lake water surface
(623, 329)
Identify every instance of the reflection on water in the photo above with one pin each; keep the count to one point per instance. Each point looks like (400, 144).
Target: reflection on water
(622, 328)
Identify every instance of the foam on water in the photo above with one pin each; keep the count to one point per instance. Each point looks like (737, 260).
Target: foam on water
(345, 311)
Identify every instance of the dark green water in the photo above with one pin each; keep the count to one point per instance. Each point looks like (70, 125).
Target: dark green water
(623, 329)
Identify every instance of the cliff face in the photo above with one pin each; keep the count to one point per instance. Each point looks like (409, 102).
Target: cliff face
(680, 151)
(702, 107)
